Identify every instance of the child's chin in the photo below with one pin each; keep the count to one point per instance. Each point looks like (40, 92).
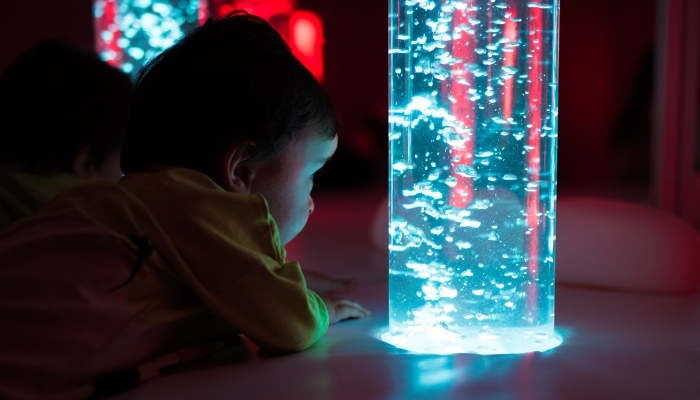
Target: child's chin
(288, 235)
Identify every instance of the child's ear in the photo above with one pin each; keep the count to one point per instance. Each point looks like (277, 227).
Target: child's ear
(237, 173)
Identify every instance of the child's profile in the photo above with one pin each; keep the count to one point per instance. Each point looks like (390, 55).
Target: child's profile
(226, 131)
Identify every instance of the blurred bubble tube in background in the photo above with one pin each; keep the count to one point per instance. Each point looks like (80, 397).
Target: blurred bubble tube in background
(129, 33)
(473, 140)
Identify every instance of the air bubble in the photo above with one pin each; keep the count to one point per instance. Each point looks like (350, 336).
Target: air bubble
(466, 171)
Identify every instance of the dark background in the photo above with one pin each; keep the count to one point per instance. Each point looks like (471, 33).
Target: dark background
(604, 99)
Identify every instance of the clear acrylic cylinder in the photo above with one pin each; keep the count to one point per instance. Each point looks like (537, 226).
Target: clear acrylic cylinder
(473, 155)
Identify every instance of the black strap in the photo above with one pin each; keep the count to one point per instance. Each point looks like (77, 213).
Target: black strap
(143, 250)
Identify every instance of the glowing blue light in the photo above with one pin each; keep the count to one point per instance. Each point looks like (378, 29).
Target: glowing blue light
(122, 43)
(472, 179)
(136, 53)
(131, 32)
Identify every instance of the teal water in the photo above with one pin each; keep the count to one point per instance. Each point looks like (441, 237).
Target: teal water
(473, 139)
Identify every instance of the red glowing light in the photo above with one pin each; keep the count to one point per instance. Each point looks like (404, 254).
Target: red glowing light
(532, 200)
(202, 12)
(107, 44)
(511, 34)
(307, 40)
(304, 33)
(265, 9)
(463, 109)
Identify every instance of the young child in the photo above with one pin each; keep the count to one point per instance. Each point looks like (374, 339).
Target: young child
(62, 119)
(106, 282)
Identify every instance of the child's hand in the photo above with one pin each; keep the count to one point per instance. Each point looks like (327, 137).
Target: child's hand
(340, 309)
(323, 284)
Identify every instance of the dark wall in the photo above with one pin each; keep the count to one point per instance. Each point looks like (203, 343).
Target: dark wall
(603, 46)
(25, 22)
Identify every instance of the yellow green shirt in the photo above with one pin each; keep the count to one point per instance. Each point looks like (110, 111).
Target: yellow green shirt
(209, 256)
(22, 194)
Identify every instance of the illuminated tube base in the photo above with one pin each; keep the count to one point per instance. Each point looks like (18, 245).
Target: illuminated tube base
(505, 341)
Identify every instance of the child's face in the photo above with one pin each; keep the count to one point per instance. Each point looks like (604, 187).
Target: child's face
(286, 181)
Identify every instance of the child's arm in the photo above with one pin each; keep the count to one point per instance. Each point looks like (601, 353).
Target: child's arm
(322, 284)
(228, 252)
(270, 304)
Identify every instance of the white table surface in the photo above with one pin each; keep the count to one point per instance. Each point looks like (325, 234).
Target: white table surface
(616, 345)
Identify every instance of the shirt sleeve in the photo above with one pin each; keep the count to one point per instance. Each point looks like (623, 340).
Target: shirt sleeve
(279, 312)
(235, 264)
(270, 304)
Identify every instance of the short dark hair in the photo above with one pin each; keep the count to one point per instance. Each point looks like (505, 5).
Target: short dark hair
(231, 79)
(57, 98)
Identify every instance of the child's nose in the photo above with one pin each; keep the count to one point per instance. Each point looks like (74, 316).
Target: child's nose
(311, 205)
